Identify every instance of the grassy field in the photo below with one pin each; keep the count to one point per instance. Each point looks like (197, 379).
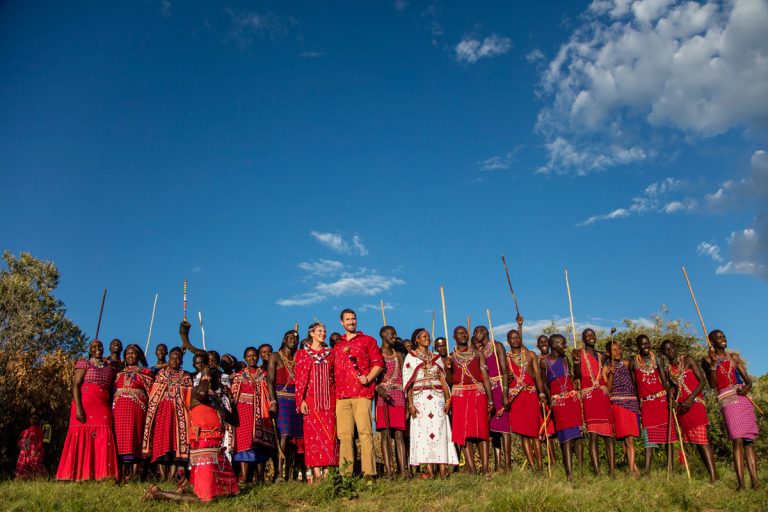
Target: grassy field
(515, 491)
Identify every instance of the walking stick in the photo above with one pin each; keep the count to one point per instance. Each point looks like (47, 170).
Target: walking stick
(445, 320)
(383, 315)
(704, 328)
(669, 438)
(570, 306)
(151, 321)
(509, 281)
(495, 353)
(185, 300)
(468, 325)
(101, 310)
(277, 441)
(549, 462)
(682, 444)
(432, 333)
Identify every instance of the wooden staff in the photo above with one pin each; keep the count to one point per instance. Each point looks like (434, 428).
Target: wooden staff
(101, 310)
(493, 341)
(682, 445)
(669, 435)
(509, 281)
(432, 334)
(549, 462)
(202, 329)
(296, 328)
(185, 300)
(704, 328)
(383, 315)
(151, 321)
(468, 325)
(445, 320)
(570, 306)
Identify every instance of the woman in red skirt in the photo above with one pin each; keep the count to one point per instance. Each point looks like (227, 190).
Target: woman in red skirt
(129, 408)
(89, 450)
(316, 399)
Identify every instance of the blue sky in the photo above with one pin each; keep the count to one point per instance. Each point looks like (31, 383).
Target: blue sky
(290, 160)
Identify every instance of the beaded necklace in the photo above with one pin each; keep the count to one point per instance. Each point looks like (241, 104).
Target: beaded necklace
(318, 356)
(585, 357)
(131, 374)
(389, 379)
(647, 369)
(288, 364)
(720, 364)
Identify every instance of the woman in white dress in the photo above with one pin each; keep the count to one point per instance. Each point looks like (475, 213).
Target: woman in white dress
(429, 401)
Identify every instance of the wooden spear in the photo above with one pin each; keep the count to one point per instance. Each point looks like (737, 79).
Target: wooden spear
(445, 320)
(509, 281)
(383, 315)
(151, 321)
(570, 306)
(185, 300)
(682, 445)
(202, 329)
(101, 310)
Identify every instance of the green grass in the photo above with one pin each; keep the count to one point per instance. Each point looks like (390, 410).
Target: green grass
(515, 491)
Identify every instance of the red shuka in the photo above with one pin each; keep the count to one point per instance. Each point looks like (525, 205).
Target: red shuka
(469, 403)
(594, 396)
(525, 413)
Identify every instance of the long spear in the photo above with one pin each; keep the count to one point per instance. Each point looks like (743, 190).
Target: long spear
(383, 315)
(509, 281)
(202, 329)
(549, 462)
(151, 321)
(101, 310)
(432, 334)
(185, 300)
(493, 341)
(703, 327)
(570, 306)
(445, 321)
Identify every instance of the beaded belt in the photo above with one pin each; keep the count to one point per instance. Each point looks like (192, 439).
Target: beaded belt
(245, 398)
(458, 388)
(427, 388)
(130, 391)
(623, 397)
(726, 393)
(589, 390)
(653, 396)
(495, 381)
(566, 394)
(520, 390)
(286, 394)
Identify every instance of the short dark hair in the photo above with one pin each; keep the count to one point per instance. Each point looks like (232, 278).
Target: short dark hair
(345, 311)
(385, 328)
(250, 348)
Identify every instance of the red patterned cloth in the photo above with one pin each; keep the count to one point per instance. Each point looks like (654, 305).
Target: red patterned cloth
(89, 450)
(251, 396)
(391, 413)
(129, 408)
(352, 358)
(565, 401)
(314, 384)
(738, 411)
(626, 423)
(166, 428)
(30, 461)
(696, 417)
(211, 474)
(525, 412)
(469, 403)
(594, 396)
(654, 408)
(696, 435)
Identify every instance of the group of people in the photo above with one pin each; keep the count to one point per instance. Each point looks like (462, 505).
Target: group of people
(310, 405)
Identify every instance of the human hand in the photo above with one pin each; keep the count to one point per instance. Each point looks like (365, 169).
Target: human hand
(304, 408)
(80, 415)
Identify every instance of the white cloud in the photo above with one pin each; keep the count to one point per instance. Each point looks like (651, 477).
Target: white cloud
(502, 162)
(375, 307)
(563, 156)
(362, 282)
(401, 5)
(306, 299)
(748, 251)
(710, 249)
(322, 266)
(633, 67)
(534, 55)
(336, 242)
(470, 50)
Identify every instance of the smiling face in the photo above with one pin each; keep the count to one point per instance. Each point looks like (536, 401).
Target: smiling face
(349, 322)
(161, 351)
(317, 335)
(199, 362)
(643, 345)
(543, 344)
(389, 336)
(214, 361)
(291, 340)
(131, 356)
(441, 347)
(422, 339)
(718, 340)
(557, 344)
(589, 338)
(95, 349)
(265, 352)
(116, 346)
(252, 358)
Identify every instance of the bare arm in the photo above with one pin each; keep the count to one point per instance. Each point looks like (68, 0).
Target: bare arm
(271, 376)
(77, 396)
(185, 343)
(504, 373)
(543, 380)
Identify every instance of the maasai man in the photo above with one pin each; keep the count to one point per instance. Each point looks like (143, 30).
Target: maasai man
(254, 436)
(564, 401)
(526, 397)
(282, 403)
(166, 435)
(542, 343)
(441, 347)
(390, 404)
(687, 381)
(624, 404)
(29, 464)
(129, 405)
(316, 399)
(652, 392)
(429, 400)
(498, 373)
(467, 373)
(211, 474)
(595, 399)
(161, 351)
(357, 362)
(727, 373)
(115, 349)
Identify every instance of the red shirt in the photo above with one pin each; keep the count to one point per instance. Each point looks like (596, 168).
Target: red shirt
(361, 351)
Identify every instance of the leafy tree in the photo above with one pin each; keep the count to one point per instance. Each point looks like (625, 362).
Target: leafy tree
(38, 347)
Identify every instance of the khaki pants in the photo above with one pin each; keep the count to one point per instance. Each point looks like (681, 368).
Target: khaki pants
(351, 412)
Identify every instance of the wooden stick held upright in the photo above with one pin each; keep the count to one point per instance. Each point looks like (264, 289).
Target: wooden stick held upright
(682, 444)
(432, 333)
(383, 315)
(570, 306)
(469, 324)
(509, 281)
(151, 321)
(445, 320)
(549, 462)
(101, 310)
(185, 300)
(202, 329)
(493, 341)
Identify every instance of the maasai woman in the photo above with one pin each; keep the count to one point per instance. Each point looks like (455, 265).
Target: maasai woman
(29, 464)
(624, 404)
(654, 408)
(89, 450)
(687, 381)
(316, 399)
(129, 408)
(429, 401)
(390, 404)
(211, 474)
(166, 435)
(595, 399)
(115, 349)
(564, 400)
(254, 436)
(282, 402)
(727, 373)
(161, 351)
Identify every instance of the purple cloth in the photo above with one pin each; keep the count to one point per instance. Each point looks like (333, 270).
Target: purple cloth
(289, 422)
(501, 423)
(739, 415)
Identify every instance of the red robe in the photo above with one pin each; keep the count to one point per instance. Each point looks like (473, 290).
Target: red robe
(129, 408)
(314, 384)
(654, 409)
(211, 474)
(693, 423)
(525, 412)
(469, 403)
(595, 398)
(30, 462)
(166, 430)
